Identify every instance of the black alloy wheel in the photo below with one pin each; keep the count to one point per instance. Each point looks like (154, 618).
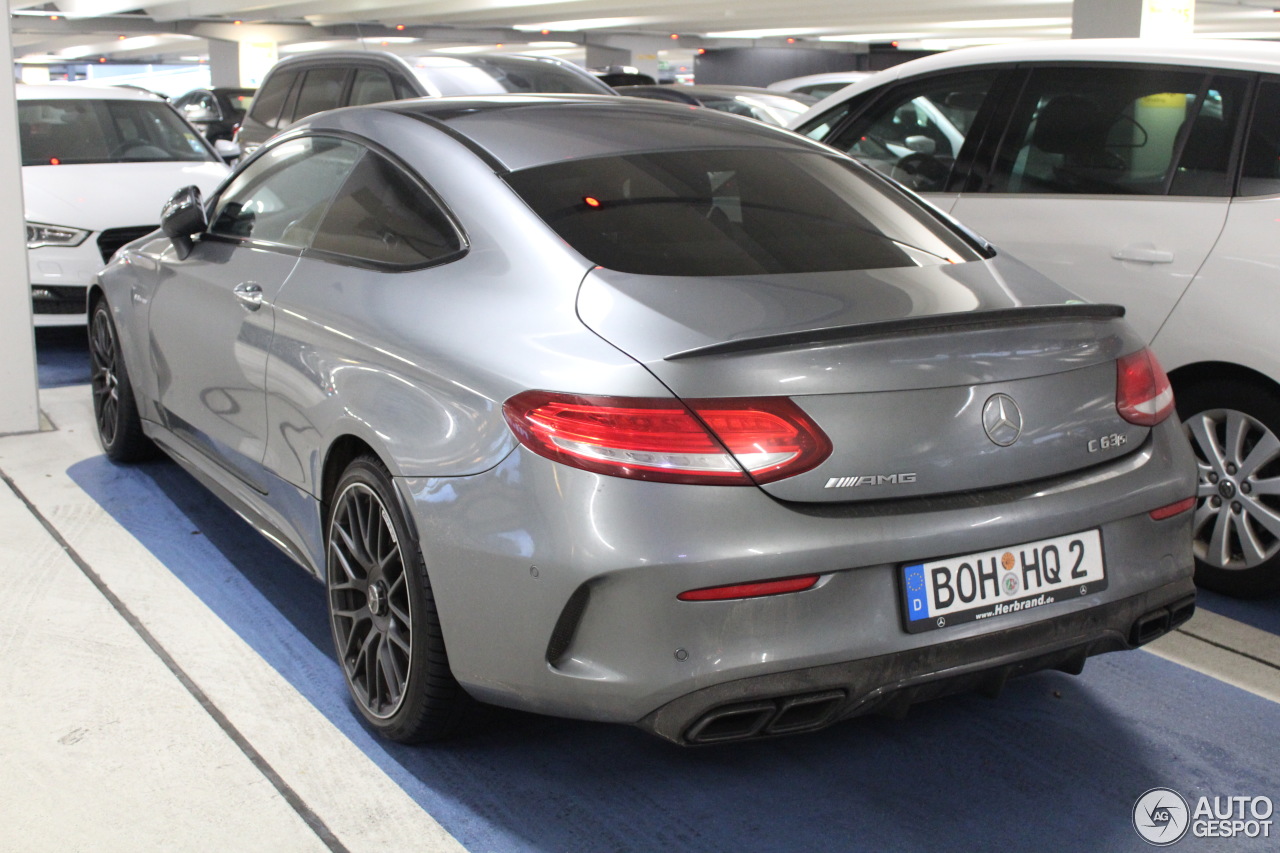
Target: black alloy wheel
(386, 631)
(115, 412)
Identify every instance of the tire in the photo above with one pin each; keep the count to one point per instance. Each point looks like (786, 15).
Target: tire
(382, 613)
(1234, 429)
(115, 411)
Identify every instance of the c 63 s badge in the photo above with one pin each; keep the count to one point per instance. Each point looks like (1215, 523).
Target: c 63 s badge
(1108, 442)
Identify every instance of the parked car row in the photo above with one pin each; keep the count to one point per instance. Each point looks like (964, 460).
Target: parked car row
(1140, 173)
(620, 410)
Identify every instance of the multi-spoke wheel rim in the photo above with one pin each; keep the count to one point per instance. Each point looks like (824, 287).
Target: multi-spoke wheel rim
(1237, 518)
(369, 601)
(104, 382)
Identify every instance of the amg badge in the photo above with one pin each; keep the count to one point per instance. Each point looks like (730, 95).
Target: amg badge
(869, 480)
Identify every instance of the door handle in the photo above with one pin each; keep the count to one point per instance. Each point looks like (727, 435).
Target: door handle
(249, 293)
(1143, 253)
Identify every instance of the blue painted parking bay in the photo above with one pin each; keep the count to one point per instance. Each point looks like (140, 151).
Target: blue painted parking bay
(1055, 763)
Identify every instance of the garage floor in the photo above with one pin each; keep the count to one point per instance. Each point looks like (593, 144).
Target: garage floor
(168, 685)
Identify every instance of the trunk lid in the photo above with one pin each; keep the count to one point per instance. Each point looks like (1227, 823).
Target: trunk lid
(927, 380)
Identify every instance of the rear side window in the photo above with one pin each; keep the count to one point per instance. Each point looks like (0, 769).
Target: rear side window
(270, 99)
(321, 90)
(371, 86)
(381, 215)
(734, 212)
(1130, 131)
(1261, 172)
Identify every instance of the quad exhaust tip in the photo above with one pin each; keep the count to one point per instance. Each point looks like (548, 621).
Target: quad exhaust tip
(1159, 622)
(768, 717)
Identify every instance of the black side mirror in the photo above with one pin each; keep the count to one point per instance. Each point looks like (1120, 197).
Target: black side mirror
(182, 218)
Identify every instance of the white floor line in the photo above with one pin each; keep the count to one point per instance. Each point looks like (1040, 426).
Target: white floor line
(357, 801)
(1227, 650)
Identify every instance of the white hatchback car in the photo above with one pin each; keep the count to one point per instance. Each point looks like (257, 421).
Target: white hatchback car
(97, 166)
(1141, 173)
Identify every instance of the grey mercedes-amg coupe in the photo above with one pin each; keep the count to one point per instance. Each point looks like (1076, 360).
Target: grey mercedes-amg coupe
(631, 412)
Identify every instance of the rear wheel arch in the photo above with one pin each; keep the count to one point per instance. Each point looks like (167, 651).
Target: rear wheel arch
(1219, 371)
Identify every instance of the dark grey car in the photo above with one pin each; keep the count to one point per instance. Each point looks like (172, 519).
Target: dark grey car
(302, 85)
(623, 411)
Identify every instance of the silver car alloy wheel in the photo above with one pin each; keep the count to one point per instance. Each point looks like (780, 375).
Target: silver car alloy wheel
(369, 601)
(1237, 517)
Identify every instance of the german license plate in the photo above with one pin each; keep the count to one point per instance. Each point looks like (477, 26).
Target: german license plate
(942, 593)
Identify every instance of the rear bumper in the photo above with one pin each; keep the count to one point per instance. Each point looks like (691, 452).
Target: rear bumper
(811, 698)
(557, 589)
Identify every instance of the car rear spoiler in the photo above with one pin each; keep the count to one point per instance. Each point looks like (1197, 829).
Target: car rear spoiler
(1022, 316)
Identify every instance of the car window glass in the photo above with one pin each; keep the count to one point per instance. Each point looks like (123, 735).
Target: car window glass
(1204, 164)
(734, 212)
(1261, 172)
(371, 87)
(384, 216)
(1096, 130)
(71, 131)
(321, 90)
(916, 132)
(497, 75)
(270, 98)
(283, 194)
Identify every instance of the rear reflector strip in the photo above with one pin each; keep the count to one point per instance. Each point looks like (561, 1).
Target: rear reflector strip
(1172, 509)
(750, 590)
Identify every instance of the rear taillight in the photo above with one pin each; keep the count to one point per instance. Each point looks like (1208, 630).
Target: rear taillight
(728, 441)
(1143, 393)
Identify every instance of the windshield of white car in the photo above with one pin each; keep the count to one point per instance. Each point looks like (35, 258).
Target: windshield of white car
(65, 131)
(735, 212)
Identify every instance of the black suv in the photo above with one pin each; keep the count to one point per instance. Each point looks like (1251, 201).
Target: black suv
(303, 85)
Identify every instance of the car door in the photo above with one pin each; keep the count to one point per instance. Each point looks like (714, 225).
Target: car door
(338, 352)
(1113, 181)
(212, 315)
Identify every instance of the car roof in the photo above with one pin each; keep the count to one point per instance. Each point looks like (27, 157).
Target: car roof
(1213, 53)
(74, 91)
(520, 131)
(1231, 54)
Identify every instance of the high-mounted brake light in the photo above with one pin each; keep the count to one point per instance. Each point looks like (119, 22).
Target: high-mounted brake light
(1143, 393)
(723, 441)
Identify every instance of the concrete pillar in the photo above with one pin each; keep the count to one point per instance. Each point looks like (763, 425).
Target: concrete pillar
(20, 412)
(1132, 18)
(224, 63)
(600, 56)
(642, 50)
(256, 58)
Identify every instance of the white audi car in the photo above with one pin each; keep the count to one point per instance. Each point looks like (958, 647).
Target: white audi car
(97, 166)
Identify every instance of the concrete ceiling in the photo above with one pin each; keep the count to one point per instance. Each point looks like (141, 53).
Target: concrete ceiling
(172, 30)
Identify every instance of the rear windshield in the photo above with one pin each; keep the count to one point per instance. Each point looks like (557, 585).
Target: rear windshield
(498, 75)
(735, 212)
(64, 131)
